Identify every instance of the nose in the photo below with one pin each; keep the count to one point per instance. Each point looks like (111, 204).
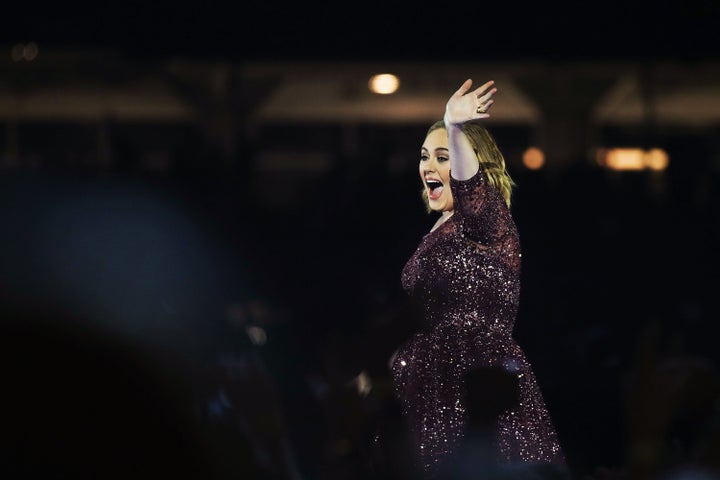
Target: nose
(431, 164)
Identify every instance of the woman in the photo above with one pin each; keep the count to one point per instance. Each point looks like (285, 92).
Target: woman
(465, 275)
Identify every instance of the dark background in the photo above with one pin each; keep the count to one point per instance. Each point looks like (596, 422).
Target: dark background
(172, 264)
(409, 30)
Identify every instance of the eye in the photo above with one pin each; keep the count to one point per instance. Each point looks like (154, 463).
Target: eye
(443, 158)
(424, 157)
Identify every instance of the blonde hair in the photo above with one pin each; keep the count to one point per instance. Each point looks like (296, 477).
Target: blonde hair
(490, 159)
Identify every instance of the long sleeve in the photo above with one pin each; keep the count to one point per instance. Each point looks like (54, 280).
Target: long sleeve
(483, 213)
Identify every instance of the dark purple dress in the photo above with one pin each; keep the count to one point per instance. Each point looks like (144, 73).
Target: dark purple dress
(465, 275)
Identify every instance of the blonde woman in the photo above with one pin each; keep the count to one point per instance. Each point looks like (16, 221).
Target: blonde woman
(465, 275)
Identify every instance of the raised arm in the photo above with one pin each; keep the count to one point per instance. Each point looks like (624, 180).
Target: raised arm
(465, 105)
(483, 210)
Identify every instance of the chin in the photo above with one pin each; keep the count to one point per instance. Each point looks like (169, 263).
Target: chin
(440, 206)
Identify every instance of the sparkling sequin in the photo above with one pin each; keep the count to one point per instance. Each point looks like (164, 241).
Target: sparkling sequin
(465, 275)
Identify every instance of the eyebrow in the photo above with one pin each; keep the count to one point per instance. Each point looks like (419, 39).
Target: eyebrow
(423, 149)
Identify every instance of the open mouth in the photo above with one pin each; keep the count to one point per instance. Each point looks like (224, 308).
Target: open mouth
(435, 189)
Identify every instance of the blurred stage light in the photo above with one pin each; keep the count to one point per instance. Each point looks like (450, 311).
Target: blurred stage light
(657, 159)
(257, 335)
(533, 158)
(633, 159)
(384, 83)
(362, 383)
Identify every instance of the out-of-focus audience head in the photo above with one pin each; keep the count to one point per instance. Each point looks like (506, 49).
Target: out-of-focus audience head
(81, 403)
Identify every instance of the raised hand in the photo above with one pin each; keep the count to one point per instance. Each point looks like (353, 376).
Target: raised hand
(465, 105)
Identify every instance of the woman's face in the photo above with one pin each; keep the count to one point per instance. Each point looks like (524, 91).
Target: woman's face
(435, 170)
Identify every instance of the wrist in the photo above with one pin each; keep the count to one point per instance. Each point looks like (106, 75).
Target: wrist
(453, 128)
(449, 124)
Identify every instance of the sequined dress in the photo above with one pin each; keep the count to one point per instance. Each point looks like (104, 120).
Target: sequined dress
(465, 275)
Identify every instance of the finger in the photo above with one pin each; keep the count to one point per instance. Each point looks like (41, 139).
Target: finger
(486, 98)
(482, 88)
(484, 107)
(464, 87)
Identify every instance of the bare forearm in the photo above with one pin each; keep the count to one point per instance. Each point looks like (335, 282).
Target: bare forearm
(464, 106)
(463, 160)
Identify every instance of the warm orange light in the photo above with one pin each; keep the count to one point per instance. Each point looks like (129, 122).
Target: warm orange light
(625, 159)
(384, 83)
(657, 159)
(633, 159)
(533, 158)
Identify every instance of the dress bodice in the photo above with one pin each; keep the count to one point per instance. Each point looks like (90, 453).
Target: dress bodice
(468, 268)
